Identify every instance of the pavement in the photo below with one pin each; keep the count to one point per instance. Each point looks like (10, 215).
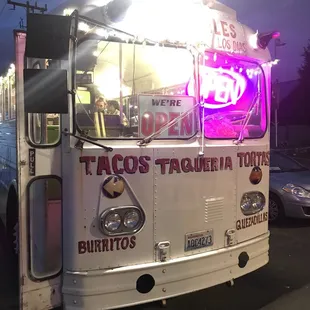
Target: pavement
(297, 300)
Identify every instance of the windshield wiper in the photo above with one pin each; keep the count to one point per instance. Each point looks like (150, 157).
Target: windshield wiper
(151, 137)
(247, 118)
(81, 140)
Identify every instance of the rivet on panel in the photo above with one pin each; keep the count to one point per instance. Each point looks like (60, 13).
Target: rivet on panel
(74, 281)
(164, 270)
(74, 301)
(164, 290)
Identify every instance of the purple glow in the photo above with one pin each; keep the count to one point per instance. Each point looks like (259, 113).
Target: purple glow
(219, 87)
(276, 34)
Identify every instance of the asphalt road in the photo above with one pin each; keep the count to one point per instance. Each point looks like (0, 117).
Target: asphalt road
(281, 283)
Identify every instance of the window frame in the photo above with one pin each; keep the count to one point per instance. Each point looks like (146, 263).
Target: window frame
(29, 270)
(88, 37)
(27, 116)
(263, 96)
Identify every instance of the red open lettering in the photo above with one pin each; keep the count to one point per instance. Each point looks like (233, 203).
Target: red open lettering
(160, 120)
(147, 124)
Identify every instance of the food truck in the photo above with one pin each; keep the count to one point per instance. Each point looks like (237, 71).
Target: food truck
(135, 152)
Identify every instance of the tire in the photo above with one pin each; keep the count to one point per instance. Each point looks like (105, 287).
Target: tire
(276, 211)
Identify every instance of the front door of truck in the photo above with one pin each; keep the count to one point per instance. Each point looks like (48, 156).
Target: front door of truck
(39, 241)
(39, 169)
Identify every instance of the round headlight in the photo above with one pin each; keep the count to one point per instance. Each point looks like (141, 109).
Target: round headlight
(112, 221)
(252, 202)
(131, 219)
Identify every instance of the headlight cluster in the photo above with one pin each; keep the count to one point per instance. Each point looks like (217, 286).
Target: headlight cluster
(297, 191)
(252, 202)
(122, 220)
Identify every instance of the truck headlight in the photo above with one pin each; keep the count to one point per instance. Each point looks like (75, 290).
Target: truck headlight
(297, 191)
(123, 220)
(131, 219)
(252, 202)
(112, 221)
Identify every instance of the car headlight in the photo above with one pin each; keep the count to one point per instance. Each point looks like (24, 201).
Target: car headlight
(123, 220)
(112, 221)
(131, 219)
(252, 202)
(297, 191)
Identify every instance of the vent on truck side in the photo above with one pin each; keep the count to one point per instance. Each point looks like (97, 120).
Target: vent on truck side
(214, 209)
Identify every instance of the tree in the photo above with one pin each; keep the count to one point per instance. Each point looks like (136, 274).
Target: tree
(304, 70)
(295, 108)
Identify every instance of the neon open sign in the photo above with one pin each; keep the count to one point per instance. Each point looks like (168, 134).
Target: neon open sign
(219, 87)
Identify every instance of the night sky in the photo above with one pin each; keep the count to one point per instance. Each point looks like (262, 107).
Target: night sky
(290, 17)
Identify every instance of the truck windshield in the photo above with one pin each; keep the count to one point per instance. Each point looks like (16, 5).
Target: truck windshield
(233, 93)
(129, 91)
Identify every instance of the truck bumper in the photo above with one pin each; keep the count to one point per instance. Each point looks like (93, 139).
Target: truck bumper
(116, 288)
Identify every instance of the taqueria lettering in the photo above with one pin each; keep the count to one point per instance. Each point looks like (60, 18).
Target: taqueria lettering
(252, 159)
(119, 164)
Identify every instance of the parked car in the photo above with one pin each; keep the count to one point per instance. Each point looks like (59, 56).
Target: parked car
(289, 188)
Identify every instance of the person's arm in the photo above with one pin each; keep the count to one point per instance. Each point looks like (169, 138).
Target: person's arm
(125, 120)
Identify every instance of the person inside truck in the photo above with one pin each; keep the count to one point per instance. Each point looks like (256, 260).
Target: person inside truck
(113, 109)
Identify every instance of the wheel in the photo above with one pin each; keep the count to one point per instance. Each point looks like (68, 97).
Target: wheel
(276, 211)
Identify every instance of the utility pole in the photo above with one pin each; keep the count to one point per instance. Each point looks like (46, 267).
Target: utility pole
(30, 8)
(277, 43)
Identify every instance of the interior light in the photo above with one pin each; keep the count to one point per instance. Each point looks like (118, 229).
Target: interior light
(84, 27)
(68, 11)
(102, 32)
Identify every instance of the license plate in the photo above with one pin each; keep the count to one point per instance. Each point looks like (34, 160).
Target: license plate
(198, 240)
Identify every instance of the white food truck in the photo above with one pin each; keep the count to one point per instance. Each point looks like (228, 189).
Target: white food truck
(134, 148)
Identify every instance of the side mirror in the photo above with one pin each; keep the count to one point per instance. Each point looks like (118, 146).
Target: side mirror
(48, 36)
(45, 91)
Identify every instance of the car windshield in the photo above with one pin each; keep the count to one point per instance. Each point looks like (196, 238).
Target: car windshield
(282, 163)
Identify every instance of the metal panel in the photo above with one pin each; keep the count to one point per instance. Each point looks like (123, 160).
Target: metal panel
(248, 227)
(85, 202)
(189, 201)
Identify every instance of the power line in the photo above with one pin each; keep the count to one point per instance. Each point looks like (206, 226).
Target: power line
(28, 6)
